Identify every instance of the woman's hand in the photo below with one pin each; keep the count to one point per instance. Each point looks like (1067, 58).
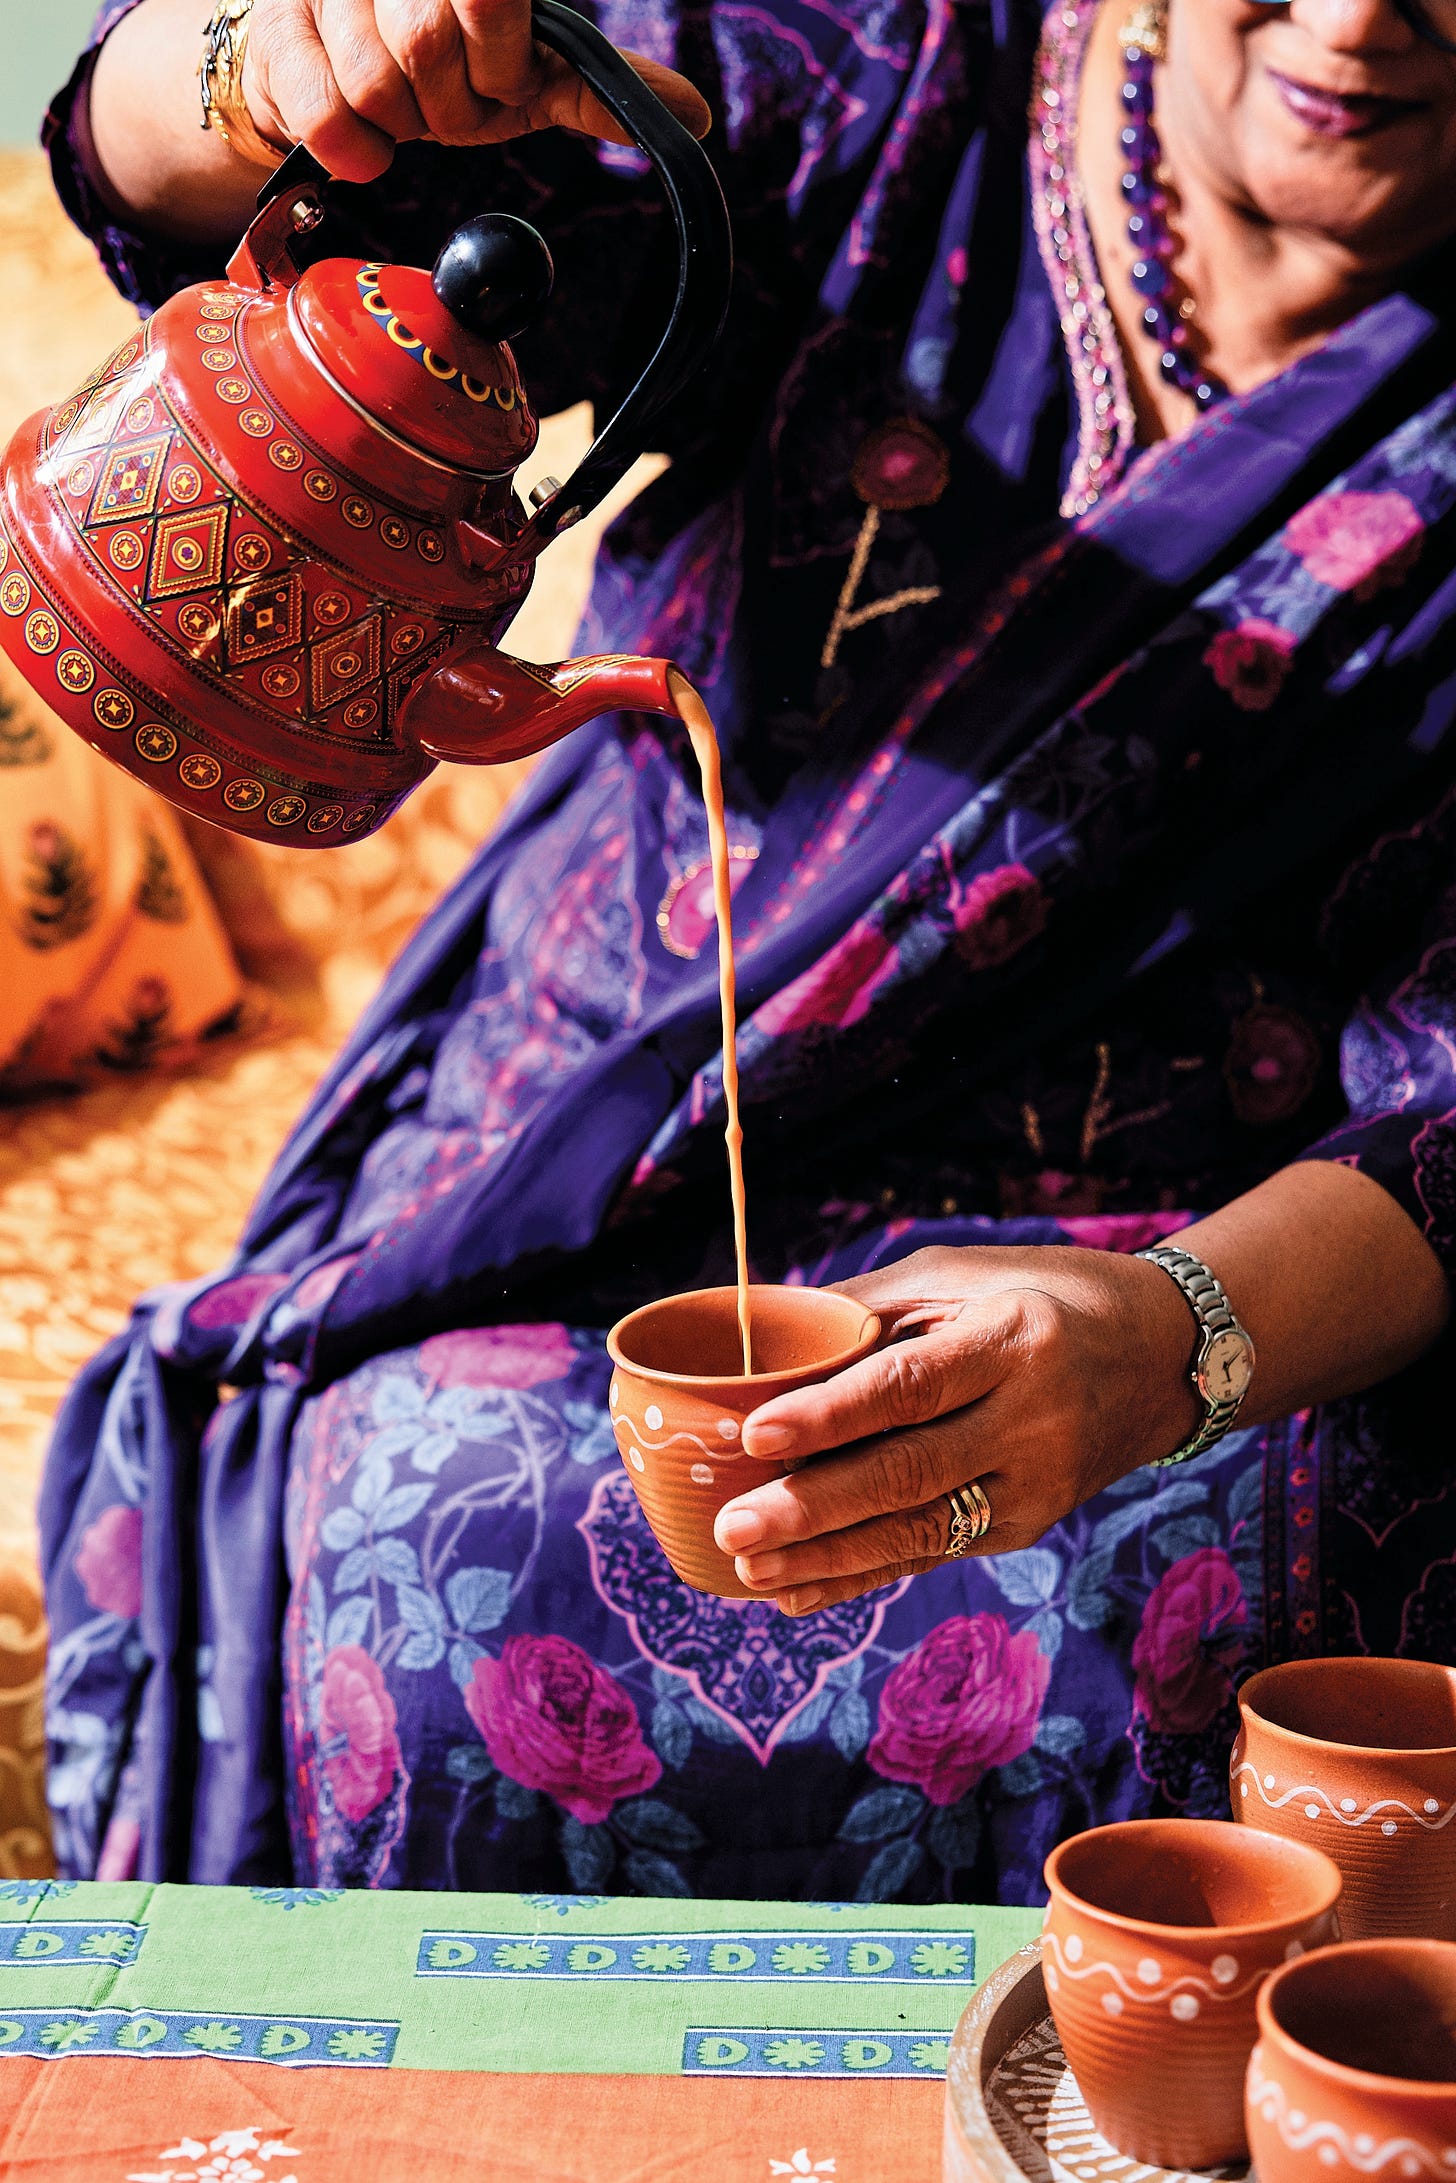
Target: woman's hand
(1045, 1373)
(352, 78)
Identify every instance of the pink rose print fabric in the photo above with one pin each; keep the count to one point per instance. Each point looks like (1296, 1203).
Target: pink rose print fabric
(997, 915)
(499, 1356)
(1251, 662)
(1192, 1632)
(109, 1562)
(552, 1719)
(357, 1724)
(966, 1701)
(1357, 541)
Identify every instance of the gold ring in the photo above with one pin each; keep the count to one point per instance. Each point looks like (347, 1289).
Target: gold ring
(970, 1518)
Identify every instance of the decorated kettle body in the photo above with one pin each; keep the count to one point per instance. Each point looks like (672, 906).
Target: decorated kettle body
(263, 556)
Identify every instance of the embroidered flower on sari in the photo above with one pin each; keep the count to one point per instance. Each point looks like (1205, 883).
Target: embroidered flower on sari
(1272, 1064)
(109, 1561)
(997, 915)
(1191, 1635)
(1360, 542)
(552, 1719)
(498, 1356)
(1251, 662)
(964, 1701)
(838, 989)
(357, 1736)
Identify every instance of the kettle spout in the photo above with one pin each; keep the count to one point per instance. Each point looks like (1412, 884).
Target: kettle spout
(483, 707)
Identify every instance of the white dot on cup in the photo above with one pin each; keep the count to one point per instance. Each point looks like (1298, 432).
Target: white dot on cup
(701, 1474)
(1347, 1804)
(1268, 1781)
(1148, 1971)
(1432, 1805)
(1113, 2004)
(1297, 2118)
(636, 1459)
(727, 1428)
(1051, 1979)
(1329, 2154)
(1364, 2143)
(1225, 1970)
(1311, 1811)
(654, 1417)
(1074, 1948)
(1387, 1826)
(1184, 2007)
(1243, 1788)
(616, 1394)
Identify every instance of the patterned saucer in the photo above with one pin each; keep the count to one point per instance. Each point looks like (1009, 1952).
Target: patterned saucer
(1013, 2110)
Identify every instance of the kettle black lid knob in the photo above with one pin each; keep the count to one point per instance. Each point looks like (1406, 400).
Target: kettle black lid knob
(494, 275)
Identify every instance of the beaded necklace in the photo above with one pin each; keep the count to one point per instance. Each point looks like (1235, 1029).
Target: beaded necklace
(1147, 231)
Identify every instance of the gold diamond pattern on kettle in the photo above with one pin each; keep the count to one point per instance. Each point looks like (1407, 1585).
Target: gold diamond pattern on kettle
(263, 617)
(130, 481)
(187, 551)
(341, 664)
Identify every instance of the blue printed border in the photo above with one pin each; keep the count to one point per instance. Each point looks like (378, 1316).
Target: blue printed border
(792, 1958)
(294, 2042)
(70, 1940)
(712, 2052)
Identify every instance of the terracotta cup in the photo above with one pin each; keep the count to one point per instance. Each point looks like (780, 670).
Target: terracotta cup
(1359, 1757)
(1354, 2075)
(1159, 1935)
(680, 1396)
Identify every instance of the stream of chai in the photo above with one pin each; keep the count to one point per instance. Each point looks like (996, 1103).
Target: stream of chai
(694, 716)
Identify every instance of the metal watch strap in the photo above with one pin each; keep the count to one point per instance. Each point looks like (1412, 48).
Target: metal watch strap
(1215, 1315)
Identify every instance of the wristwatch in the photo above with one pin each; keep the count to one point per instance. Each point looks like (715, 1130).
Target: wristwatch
(1223, 1363)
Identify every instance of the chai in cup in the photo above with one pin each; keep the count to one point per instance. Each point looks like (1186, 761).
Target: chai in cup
(1358, 1757)
(1354, 2075)
(1159, 1934)
(679, 1398)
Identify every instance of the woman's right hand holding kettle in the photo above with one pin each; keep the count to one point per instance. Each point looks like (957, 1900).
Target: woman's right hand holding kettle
(348, 78)
(353, 78)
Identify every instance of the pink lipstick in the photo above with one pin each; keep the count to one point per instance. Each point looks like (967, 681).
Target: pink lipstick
(1338, 114)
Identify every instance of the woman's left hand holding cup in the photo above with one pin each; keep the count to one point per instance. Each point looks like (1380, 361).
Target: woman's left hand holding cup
(1043, 1373)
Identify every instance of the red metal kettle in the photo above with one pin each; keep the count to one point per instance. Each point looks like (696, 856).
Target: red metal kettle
(263, 557)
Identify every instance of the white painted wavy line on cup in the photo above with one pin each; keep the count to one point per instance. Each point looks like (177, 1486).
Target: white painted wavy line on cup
(1150, 1990)
(1362, 2152)
(1432, 1820)
(724, 1452)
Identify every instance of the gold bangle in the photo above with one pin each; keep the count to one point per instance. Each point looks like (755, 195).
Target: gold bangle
(220, 72)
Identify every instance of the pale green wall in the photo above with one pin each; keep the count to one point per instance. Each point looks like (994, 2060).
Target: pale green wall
(39, 41)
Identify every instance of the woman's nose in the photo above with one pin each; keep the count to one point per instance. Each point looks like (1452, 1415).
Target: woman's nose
(1354, 26)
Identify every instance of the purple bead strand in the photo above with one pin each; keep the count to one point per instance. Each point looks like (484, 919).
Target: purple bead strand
(1147, 231)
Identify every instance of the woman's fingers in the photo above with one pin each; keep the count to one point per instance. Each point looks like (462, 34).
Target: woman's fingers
(501, 62)
(910, 1535)
(896, 1473)
(810, 1598)
(368, 76)
(294, 96)
(907, 1383)
(424, 38)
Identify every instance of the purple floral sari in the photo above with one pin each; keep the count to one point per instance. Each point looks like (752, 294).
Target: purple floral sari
(1089, 867)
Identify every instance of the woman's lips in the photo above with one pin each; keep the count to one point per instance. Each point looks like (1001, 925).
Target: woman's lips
(1332, 113)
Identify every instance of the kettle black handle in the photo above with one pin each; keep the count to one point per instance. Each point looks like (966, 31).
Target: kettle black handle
(704, 272)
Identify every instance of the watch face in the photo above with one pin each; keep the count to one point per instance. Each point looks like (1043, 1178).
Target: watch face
(1227, 1366)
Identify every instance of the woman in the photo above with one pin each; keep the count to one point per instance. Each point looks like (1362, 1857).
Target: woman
(1064, 538)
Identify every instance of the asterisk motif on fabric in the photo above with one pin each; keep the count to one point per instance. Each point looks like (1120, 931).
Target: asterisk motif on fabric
(930, 2054)
(108, 1944)
(213, 2038)
(799, 1958)
(794, 2053)
(522, 1955)
(355, 2046)
(563, 1905)
(799, 2163)
(33, 1891)
(74, 2033)
(939, 1959)
(660, 1955)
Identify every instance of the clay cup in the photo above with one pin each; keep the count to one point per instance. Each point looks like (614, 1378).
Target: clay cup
(679, 1398)
(1358, 1756)
(1159, 1935)
(1354, 2075)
